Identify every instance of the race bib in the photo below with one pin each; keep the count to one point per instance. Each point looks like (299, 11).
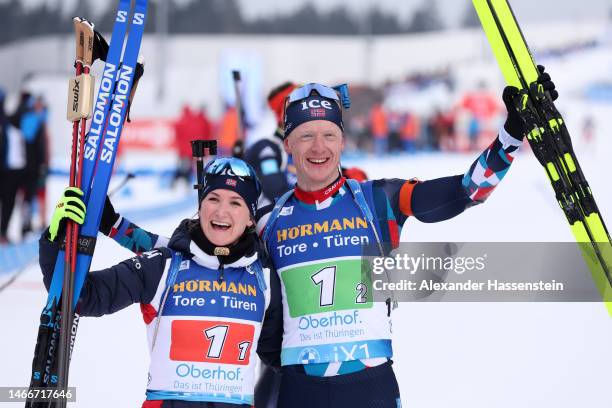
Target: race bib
(330, 286)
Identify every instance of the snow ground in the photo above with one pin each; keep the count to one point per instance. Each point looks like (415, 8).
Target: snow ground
(446, 354)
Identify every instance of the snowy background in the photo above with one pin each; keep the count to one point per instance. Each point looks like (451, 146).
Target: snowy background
(472, 355)
(460, 355)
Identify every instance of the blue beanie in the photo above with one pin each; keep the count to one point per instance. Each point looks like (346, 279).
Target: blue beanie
(244, 187)
(314, 107)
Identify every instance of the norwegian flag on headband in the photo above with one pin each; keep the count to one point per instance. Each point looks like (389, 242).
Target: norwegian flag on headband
(317, 112)
(230, 182)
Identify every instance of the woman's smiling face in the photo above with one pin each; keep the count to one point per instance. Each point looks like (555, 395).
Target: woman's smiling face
(224, 216)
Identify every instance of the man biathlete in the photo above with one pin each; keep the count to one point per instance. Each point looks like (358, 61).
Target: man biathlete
(336, 347)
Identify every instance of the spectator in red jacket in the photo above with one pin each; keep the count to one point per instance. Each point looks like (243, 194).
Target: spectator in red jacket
(203, 125)
(187, 127)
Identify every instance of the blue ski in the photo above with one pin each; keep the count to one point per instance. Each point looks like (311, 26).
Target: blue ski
(99, 118)
(105, 128)
(108, 144)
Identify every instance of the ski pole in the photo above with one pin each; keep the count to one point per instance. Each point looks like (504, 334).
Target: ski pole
(126, 180)
(238, 148)
(81, 90)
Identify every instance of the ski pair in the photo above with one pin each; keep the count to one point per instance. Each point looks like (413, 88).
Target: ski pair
(550, 140)
(80, 101)
(97, 155)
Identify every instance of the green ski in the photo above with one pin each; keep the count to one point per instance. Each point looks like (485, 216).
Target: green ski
(550, 140)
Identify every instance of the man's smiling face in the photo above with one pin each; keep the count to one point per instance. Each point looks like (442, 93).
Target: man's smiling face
(316, 147)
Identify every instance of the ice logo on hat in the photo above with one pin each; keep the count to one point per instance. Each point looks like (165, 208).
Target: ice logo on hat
(229, 172)
(316, 103)
(231, 182)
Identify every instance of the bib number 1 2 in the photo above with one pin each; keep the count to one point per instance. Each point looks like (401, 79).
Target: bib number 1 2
(326, 279)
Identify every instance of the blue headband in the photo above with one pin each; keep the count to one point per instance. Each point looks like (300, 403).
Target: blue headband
(244, 187)
(314, 107)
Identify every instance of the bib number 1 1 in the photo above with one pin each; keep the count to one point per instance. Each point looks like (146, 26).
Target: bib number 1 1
(217, 335)
(211, 341)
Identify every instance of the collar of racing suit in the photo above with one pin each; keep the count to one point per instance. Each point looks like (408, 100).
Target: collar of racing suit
(312, 197)
(188, 238)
